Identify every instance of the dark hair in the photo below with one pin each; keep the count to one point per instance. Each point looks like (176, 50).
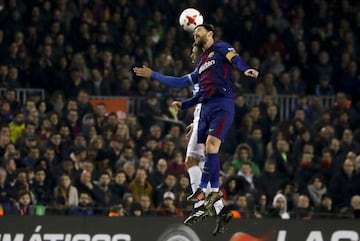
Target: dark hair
(207, 26)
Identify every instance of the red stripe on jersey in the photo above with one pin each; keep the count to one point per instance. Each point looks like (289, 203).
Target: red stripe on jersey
(220, 127)
(225, 70)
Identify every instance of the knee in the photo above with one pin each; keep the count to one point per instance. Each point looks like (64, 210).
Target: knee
(190, 162)
(212, 144)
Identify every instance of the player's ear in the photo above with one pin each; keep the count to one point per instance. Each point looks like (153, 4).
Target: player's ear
(210, 34)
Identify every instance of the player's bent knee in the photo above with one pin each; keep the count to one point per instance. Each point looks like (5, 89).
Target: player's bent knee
(190, 162)
(212, 144)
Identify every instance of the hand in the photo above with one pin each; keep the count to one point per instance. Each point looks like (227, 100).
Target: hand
(252, 73)
(176, 105)
(143, 71)
(189, 130)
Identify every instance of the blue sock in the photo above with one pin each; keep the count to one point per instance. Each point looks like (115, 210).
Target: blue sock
(214, 177)
(211, 167)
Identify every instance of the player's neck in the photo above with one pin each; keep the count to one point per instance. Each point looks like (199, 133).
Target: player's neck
(209, 43)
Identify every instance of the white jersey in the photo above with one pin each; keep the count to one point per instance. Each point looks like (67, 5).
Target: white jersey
(194, 149)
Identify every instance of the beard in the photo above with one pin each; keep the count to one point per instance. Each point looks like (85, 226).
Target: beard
(201, 42)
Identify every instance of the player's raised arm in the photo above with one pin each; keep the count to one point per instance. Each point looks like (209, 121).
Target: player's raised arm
(175, 82)
(143, 71)
(233, 57)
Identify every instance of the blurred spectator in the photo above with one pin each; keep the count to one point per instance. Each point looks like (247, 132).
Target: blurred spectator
(85, 207)
(167, 206)
(243, 153)
(344, 184)
(140, 185)
(269, 180)
(120, 185)
(257, 144)
(279, 207)
(157, 176)
(17, 126)
(304, 172)
(169, 184)
(242, 205)
(65, 195)
(324, 87)
(303, 209)
(262, 206)
(146, 206)
(176, 166)
(104, 195)
(316, 189)
(24, 204)
(326, 208)
(41, 187)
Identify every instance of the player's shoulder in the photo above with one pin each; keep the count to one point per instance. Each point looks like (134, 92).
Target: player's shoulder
(223, 46)
(221, 43)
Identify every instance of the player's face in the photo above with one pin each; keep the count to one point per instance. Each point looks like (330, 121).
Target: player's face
(200, 36)
(195, 53)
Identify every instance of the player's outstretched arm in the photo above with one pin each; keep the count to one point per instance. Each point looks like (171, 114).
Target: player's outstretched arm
(143, 71)
(175, 82)
(233, 57)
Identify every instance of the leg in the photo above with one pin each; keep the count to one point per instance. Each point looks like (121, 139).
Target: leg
(195, 173)
(223, 218)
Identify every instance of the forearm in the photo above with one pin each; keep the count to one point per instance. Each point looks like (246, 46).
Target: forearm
(240, 63)
(175, 82)
(186, 104)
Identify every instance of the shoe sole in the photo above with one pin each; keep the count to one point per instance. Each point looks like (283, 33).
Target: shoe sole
(221, 230)
(192, 219)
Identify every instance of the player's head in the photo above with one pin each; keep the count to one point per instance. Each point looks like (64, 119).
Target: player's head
(195, 53)
(203, 33)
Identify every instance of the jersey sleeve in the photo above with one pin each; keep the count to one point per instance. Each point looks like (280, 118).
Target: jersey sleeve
(186, 104)
(176, 82)
(232, 56)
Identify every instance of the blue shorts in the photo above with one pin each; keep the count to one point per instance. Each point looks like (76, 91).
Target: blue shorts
(216, 118)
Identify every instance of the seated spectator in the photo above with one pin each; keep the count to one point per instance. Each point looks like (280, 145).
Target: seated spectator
(6, 190)
(233, 186)
(157, 176)
(262, 207)
(269, 180)
(303, 210)
(279, 207)
(316, 189)
(120, 185)
(104, 195)
(169, 184)
(167, 206)
(146, 206)
(24, 205)
(353, 211)
(246, 172)
(326, 208)
(135, 210)
(182, 191)
(41, 187)
(176, 165)
(243, 153)
(140, 185)
(65, 195)
(344, 184)
(324, 87)
(304, 172)
(241, 204)
(85, 207)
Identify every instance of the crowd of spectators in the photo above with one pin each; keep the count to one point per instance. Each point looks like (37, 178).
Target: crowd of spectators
(62, 155)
